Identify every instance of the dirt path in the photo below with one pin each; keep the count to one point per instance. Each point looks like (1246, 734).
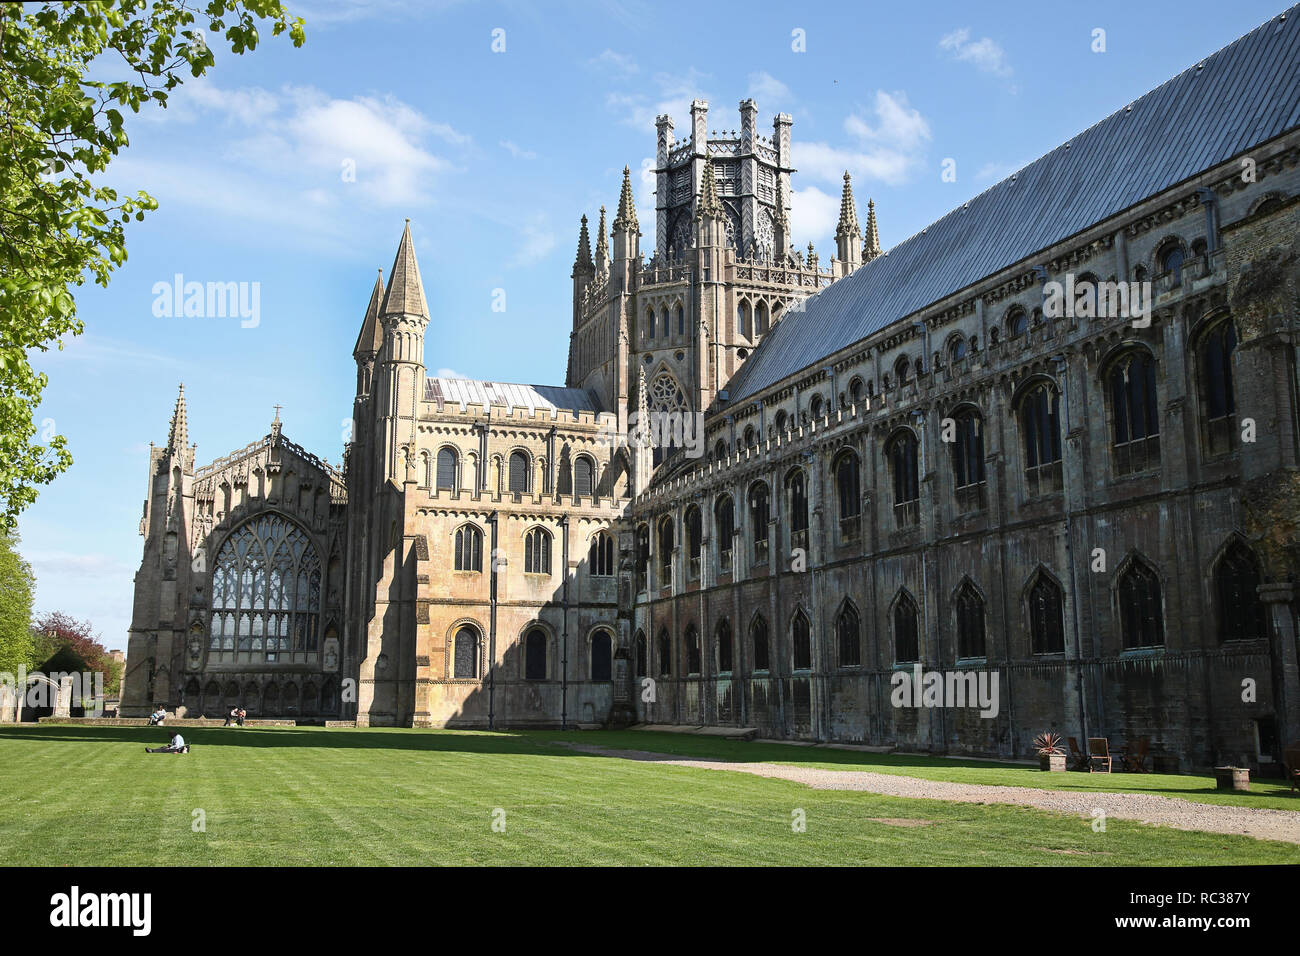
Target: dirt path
(1261, 823)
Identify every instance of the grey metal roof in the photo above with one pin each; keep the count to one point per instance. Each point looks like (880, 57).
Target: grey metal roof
(1245, 94)
(468, 391)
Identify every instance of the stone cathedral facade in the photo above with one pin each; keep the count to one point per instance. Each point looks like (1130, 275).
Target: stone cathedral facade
(923, 459)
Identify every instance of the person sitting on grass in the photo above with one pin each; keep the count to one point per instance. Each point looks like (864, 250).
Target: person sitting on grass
(177, 746)
(242, 714)
(232, 717)
(157, 717)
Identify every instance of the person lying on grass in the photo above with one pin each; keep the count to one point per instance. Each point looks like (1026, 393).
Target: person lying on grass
(177, 746)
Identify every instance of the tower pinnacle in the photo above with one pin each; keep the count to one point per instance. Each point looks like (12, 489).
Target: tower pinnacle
(602, 244)
(848, 224)
(626, 216)
(372, 334)
(405, 294)
(582, 262)
(871, 244)
(710, 204)
(178, 437)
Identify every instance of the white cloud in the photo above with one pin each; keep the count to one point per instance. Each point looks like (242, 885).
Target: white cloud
(380, 141)
(533, 243)
(813, 217)
(516, 151)
(673, 96)
(889, 145)
(448, 373)
(768, 90)
(984, 54)
(621, 64)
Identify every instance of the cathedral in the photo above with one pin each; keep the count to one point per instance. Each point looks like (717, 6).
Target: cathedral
(1050, 442)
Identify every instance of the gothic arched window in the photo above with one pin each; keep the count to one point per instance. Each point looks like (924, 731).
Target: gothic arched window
(724, 518)
(855, 391)
(970, 621)
(663, 650)
(447, 467)
(663, 319)
(465, 654)
(681, 320)
(1218, 401)
(650, 323)
(666, 398)
(583, 477)
(665, 550)
(1140, 616)
(902, 454)
(602, 667)
(968, 448)
(537, 551)
(1017, 322)
(1171, 261)
(535, 654)
(469, 548)
(1135, 417)
(1046, 616)
(797, 491)
(1040, 427)
(642, 655)
(691, 640)
(848, 486)
(742, 319)
(519, 469)
(901, 369)
(1236, 589)
(847, 629)
(694, 540)
(724, 646)
(266, 590)
(801, 642)
(759, 516)
(600, 558)
(758, 637)
(907, 646)
(760, 318)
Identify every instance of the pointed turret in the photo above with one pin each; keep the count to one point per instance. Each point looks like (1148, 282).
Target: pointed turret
(405, 294)
(871, 243)
(178, 437)
(626, 217)
(709, 205)
(602, 245)
(372, 333)
(848, 224)
(848, 240)
(582, 262)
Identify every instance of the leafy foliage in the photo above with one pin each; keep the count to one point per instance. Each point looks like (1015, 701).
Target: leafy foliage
(1048, 744)
(16, 583)
(57, 631)
(59, 129)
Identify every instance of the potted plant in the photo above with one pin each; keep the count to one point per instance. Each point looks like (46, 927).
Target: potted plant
(1050, 755)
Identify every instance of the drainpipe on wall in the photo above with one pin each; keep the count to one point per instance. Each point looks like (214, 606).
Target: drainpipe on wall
(564, 630)
(1062, 372)
(492, 624)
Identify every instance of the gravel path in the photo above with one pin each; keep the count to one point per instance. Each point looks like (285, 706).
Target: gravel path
(1261, 823)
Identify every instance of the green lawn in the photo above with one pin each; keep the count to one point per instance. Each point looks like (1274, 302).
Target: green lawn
(278, 796)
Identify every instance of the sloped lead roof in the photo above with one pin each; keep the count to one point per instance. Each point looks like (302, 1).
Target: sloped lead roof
(468, 391)
(1245, 94)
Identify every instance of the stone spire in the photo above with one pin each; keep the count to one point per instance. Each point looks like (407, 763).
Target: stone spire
(709, 204)
(405, 294)
(602, 245)
(178, 437)
(582, 262)
(848, 225)
(871, 245)
(372, 333)
(626, 216)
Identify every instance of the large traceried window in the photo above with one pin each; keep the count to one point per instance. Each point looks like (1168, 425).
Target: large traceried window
(266, 591)
(1135, 414)
(1040, 427)
(1218, 401)
(537, 551)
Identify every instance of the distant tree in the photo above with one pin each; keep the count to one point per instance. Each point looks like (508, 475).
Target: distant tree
(58, 225)
(55, 632)
(16, 583)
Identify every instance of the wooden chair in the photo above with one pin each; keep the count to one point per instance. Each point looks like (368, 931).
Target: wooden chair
(1135, 756)
(1291, 761)
(1099, 760)
(1078, 759)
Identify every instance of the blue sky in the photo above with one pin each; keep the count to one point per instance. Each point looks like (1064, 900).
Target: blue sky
(494, 156)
